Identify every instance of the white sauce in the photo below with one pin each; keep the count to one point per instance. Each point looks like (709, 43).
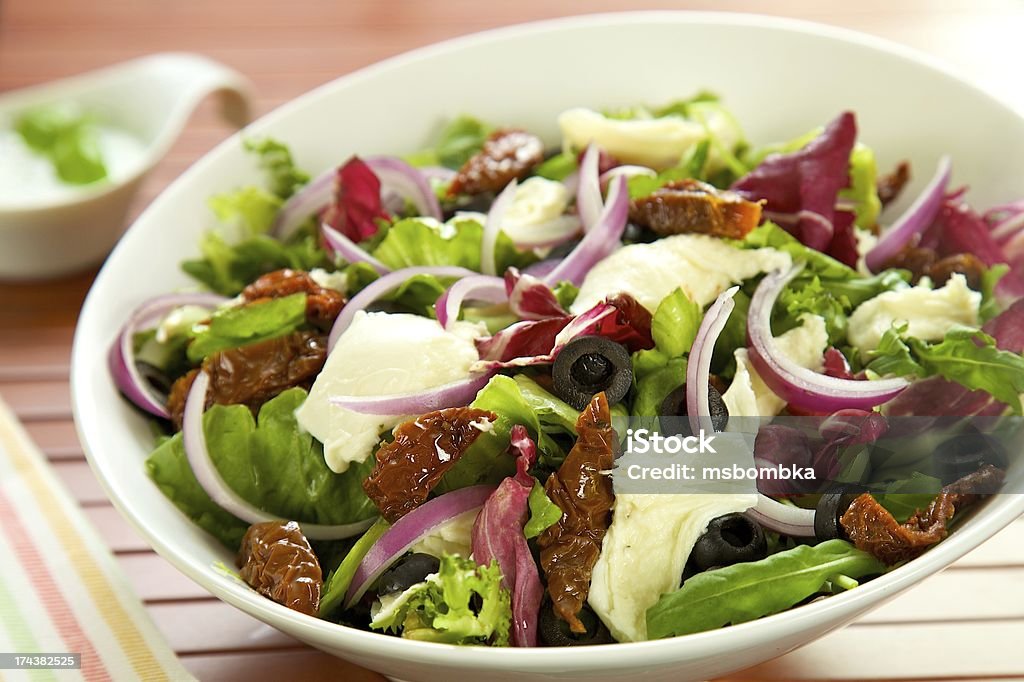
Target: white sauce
(28, 177)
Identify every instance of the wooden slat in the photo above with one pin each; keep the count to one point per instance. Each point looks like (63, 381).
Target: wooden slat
(197, 627)
(38, 400)
(117, 533)
(276, 665)
(57, 439)
(934, 651)
(156, 580)
(81, 482)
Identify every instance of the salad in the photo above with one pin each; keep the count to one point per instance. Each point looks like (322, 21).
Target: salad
(403, 390)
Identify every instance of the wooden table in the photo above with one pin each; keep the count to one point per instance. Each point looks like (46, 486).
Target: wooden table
(967, 622)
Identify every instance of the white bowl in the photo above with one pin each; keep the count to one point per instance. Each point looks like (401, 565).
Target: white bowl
(780, 77)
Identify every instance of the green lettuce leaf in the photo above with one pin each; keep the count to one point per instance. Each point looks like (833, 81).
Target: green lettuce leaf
(240, 325)
(270, 462)
(543, 512)
(746, 591)
(413, 242)
(462, 603)
(966, 356)
(68, 138)
(460, 139)
(275, 160)
(227, 268)
(518, 400)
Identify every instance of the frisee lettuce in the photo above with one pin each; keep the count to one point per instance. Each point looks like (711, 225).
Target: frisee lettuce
(275, 160)
(463, 603)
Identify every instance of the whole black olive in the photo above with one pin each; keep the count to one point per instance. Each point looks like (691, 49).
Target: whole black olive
(831, 506)
(555, 632)
(407, 572)
(674, 405)
(729, 539)
(966, 453)
(591, 364)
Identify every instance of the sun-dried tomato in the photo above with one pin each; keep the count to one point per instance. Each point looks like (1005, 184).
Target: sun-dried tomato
(924, 262)
(693, 207)
(583, 491)
(253, 374)
(874, 530)
(891, 184)
(322, 304)
(966, 264)
(507, 155)
(276, 560)
(424, 449)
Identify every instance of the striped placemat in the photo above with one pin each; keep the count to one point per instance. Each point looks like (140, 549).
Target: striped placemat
(61, 591)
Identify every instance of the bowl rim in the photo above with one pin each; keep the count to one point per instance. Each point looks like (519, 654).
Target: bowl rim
(655, 652)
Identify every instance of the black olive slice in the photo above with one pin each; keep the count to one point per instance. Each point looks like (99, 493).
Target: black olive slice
(964, 454)
(591, 364)
(729, 539)
(407, 572)
(831, 506)
(674, 405)
(555, 632)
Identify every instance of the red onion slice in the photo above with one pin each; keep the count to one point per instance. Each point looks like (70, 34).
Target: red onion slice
(408, 530)
(349, 250)
(121, 358)
(454, 394)
(798, 385)
(382, 287)
(783, 518)
(492, 226)
(698, 369)
(308, 201)
(209, 478)
(398, 176)
(475, 288)
(588, 189)
(914, 220)
(600, 241)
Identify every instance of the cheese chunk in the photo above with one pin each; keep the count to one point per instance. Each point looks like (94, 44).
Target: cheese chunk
(929, 313)
(703, 266)
(749, 396)
(381, 354)
(645, 550)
